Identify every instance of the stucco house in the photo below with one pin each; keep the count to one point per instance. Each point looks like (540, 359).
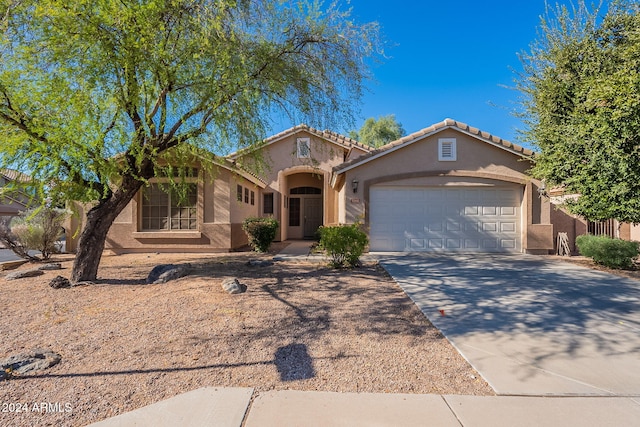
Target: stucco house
(448, 187)
(14, 202)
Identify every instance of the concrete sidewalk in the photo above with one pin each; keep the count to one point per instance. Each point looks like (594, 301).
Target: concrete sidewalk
(235, 407)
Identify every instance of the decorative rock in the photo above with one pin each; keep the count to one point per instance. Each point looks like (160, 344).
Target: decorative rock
(259, 263)
(35, 360)
(59, 282)
(51, 266)
(10, 265)
(165, 272)
(24, 273)
(233, 286)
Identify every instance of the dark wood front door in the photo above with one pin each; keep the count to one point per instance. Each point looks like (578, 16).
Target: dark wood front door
(312, 216)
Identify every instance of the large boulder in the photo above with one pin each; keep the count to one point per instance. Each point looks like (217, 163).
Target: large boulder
(165, 272)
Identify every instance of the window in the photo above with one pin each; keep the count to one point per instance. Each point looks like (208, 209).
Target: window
(268, 204)
(166, 210)
(253, 198)
(305, 190)
(294, 212)
(447, 149)
(246, 195)
(304, 148)
(239, 192)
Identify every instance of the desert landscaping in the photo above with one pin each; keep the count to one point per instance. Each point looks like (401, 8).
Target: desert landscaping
(125, 344)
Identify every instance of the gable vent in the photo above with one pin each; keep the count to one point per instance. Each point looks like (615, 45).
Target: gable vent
(447, 149)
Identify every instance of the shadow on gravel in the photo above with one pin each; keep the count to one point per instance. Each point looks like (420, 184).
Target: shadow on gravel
(294, 363)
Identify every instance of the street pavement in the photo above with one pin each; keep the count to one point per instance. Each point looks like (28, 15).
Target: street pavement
(8, 255)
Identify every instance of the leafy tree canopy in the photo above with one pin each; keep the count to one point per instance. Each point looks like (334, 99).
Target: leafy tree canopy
(377, 133)
(581, 104)
(93, 94)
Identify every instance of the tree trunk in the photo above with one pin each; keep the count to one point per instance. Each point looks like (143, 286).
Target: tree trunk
(97, 225)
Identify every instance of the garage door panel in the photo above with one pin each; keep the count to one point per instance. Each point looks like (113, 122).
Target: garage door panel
(472, 243)
(435, 243)
(489, 211)
(445, 219)
(508, 211)
(471, 211)
(435, 227)
(453, 243)
(507, 227)
(490, 243)
(508, 243)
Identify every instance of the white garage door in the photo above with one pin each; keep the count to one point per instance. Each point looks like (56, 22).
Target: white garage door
(481, 219)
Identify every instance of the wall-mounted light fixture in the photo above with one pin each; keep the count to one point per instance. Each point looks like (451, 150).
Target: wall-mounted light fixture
(354, 186)
(542, 189)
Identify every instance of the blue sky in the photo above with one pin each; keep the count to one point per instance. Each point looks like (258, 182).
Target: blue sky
(449, 60)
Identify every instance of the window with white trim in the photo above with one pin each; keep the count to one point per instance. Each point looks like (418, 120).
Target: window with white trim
(447, 150)
(304, 148)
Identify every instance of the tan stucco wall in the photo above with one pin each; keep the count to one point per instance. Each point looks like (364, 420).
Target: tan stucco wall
(284, 170)
(219, 220)
(565, 222)
(478, 164)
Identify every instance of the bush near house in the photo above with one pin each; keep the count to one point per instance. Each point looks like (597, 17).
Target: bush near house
(612, 253)
(261, 232)
(344, 244)
(33, 230)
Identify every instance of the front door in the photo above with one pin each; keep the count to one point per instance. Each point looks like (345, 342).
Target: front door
(312, 216)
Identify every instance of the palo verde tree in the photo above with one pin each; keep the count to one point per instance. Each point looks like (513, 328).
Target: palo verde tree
(581, 104)
(378, 132)
(94, 94)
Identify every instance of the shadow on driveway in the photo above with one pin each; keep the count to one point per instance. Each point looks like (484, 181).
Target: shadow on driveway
(531, 325)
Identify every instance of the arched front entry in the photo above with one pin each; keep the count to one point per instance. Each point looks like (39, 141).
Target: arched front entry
(303, 205)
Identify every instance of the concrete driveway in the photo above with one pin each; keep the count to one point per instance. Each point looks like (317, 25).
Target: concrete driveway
(531, 325)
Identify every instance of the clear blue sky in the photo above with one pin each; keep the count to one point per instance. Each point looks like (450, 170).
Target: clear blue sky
(450, 60)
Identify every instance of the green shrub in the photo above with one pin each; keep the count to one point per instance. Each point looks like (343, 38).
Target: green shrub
(34, 230)
(261, 232)
(612, 253)
(343, 244)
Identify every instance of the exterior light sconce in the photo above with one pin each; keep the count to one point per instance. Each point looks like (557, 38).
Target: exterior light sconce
(542, 190)
(354, 186)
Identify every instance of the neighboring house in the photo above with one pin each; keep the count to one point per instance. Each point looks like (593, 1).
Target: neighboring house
(449, 187)
(13, 202)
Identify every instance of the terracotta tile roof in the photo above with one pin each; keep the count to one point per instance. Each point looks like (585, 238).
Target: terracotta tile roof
(13, 175)
(433, 129)
(336, 138)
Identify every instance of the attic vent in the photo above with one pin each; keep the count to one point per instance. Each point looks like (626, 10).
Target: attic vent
(304, 148)
(447, 149)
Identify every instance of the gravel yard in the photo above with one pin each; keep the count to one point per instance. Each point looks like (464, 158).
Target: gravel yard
(300, 326)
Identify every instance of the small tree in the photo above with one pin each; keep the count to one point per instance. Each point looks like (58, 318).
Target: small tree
(35, 230)
(377, 133)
